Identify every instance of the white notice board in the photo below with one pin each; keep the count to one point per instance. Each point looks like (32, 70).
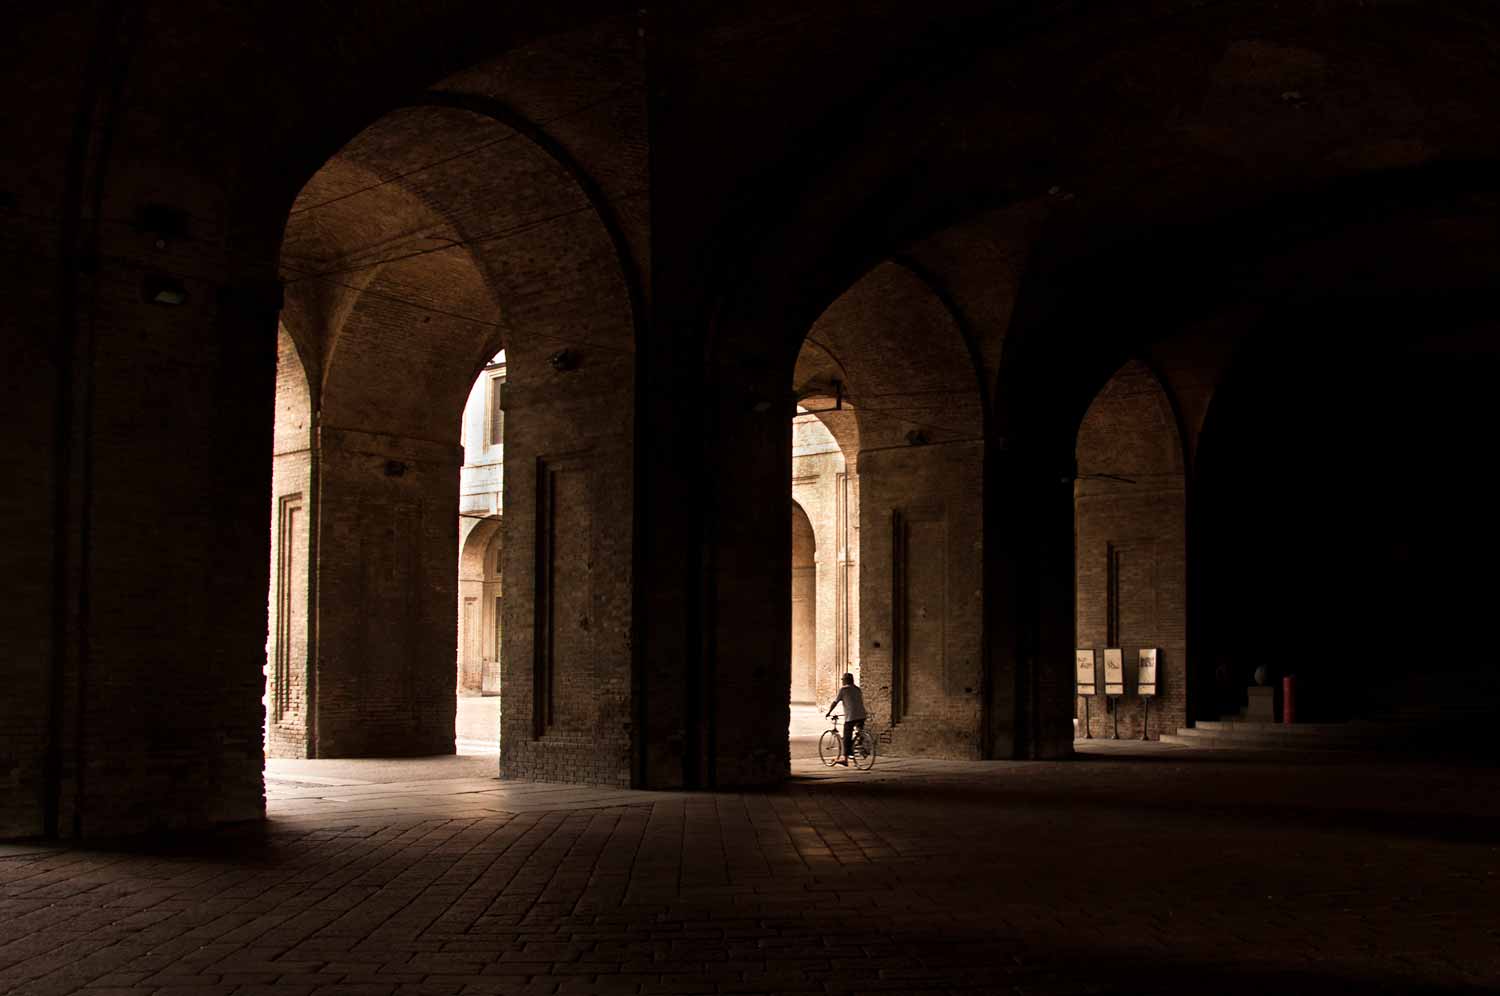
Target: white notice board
(1146, 677)
(1114, 671)
(1086, 672)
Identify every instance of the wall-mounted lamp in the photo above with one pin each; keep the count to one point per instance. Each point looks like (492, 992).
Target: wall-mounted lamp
(159, 289)
(563, 360)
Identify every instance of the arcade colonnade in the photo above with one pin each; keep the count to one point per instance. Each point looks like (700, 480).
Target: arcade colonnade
(1082, 320)
(407, 288)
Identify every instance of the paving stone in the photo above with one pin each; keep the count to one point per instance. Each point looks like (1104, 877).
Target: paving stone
(1117, 873)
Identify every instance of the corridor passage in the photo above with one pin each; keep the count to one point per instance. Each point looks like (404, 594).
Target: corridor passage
(1136, 868)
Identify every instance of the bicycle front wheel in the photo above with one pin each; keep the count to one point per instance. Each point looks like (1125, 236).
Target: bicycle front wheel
(830, 747)
(864, 750)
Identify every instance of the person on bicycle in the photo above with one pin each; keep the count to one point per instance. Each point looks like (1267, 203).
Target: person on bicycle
(854, 714)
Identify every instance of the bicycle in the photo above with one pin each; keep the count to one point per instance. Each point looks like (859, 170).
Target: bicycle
(831, 746)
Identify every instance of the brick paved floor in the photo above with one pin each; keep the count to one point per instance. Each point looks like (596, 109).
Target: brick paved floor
(1129, 871)
(478, 726)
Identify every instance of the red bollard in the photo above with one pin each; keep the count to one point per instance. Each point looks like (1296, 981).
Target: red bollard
(1289, 700)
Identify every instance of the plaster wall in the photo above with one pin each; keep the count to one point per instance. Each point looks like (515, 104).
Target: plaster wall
(480, 480)
(481, 483)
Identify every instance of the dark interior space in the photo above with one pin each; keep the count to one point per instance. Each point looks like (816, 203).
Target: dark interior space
(455, 452)
(1343, 538)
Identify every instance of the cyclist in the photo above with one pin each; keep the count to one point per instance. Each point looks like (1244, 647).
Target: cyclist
(854, 714)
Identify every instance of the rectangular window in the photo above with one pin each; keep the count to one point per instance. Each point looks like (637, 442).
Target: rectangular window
(496, 433)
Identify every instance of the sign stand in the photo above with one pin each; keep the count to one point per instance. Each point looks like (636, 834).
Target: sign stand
(1145, 686)
(1085, 675)
(1114, 683)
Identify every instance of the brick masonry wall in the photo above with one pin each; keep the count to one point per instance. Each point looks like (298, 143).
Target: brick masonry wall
(909, 381)
(160, 491)
(387, 553)
(568, 494)
(935, 495)
(29, 386)
(169, 729)
(1131, 579)
(401, 345)
(288, 646)
(40, 498)
(740, 699)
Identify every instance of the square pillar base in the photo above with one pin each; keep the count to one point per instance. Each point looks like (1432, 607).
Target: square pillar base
(1262, 707)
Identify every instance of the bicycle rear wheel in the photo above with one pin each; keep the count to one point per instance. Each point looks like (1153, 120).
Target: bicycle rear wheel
(864, 749)
(830, 747)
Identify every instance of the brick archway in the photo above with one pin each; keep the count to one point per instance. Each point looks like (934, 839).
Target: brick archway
(916, 419)
(1130, 512)
(448, 229)
(480, 608)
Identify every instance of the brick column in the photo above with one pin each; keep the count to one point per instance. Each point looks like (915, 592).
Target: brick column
(746, 679)
(387, 585)
(1028, 606)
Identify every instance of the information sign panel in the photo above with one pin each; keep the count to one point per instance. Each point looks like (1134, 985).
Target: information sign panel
(1145, 684)
(1086, 672)
(1114, 671)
